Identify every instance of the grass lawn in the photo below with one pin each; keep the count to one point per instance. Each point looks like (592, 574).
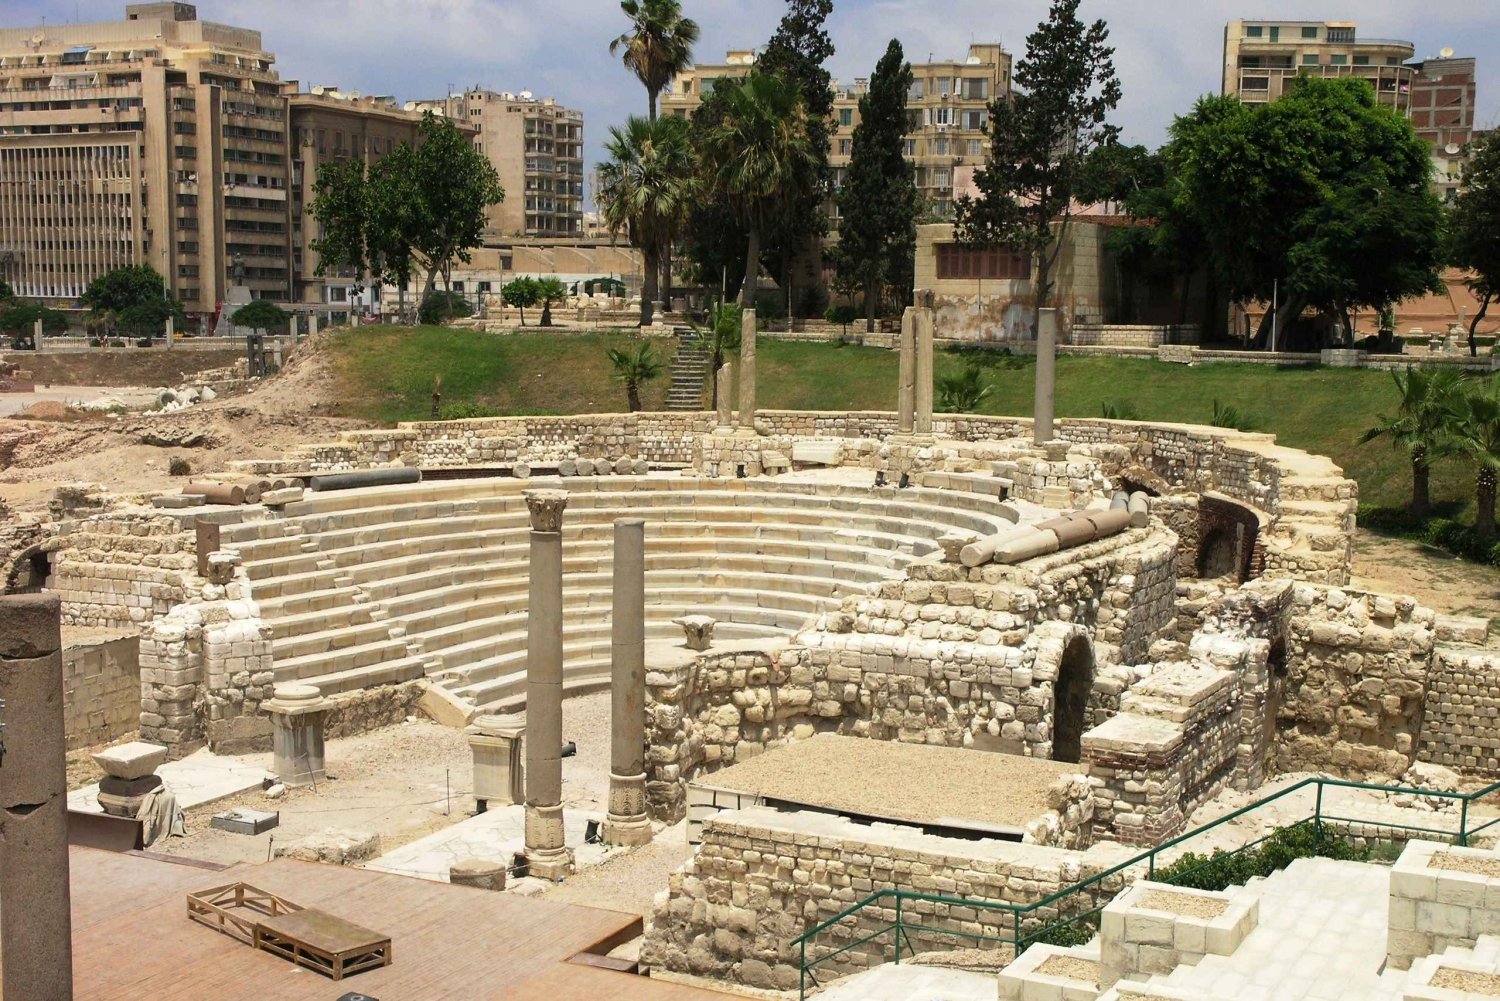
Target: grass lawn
(387, 375)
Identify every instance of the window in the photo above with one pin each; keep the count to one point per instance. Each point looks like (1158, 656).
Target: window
(913, 119)
(1310, 31)
(1275, 33)
(1309, 59)
(942, 86)
(1254, 31)
(916, 92)
(1255, 83)
(942, 116)
(1361, 60)
(1344, 36)
(908, 147)
(976, 88)
(1339, 60)
(954, 261)
(846, 116)
(975, 120)
(976, 147)
(844, 147)
(941, 178)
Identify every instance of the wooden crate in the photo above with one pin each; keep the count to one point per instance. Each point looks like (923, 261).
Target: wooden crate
(228, 909)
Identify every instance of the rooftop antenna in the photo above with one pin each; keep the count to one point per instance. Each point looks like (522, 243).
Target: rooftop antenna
(1446, 53)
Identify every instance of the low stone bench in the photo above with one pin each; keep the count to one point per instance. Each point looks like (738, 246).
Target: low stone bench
(1154, 928)
(1441, 896)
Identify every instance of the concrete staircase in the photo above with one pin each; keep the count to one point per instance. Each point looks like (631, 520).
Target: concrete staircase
(390, 584)
(689, 371)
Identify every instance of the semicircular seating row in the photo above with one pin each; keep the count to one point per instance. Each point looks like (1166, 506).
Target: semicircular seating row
(388, 584)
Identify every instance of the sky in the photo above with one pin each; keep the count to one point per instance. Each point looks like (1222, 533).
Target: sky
(1167, 52)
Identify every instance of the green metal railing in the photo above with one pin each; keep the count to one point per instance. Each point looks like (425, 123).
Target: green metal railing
(1018, 925)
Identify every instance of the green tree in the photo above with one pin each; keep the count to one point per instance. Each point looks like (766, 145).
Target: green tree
(797, 52)
(18, 319)
(550, 290)
(134, 298)
(962, 393)
(6, 292)
(646, 189)
(442, 306)
(1474, 227)
(658, 45)
(261, 314)
(634, 368)
(447, 185)
(1476, 430)
(1421, 426)
(1041, 139)
(842, 313)
(520, 293)
(878, 203)
(1321, 196)
(755, 153)
(340, 206)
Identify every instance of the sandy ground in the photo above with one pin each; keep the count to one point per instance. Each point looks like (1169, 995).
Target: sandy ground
(1433, 577)
(131, 396)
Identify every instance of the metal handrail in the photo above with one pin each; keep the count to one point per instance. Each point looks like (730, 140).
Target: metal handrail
(1018, 912)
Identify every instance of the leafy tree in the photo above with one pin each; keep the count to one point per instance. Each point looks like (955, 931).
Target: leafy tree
(138, 285)
(18, 319)
(1474, 226)
(6, 292)
(521, 292)
(646, 188)
(755, 153)
(962, 393)
(878, 203)
(550, 290)
(797, 52)
(449, 184)
(634, 368)
(442, 306)
(725, 324)
(341, 206)
(1421, 426)
(1323, 193)
(1041, 139)
(261, 314)
(843, 313)
(658, 45)
(1476, 431)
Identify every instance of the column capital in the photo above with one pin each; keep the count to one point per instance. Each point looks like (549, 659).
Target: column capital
(546, 507)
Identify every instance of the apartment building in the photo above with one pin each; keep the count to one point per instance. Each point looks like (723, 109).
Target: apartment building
(1442, 112)
(159, 139)
(947, 111)
(328, 126)
(536, 146)
(1260, 57)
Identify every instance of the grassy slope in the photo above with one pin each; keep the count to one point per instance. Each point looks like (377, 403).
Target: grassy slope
(387, 376)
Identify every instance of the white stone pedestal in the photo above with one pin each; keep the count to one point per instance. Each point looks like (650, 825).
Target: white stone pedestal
(297, 714)
(499, 774)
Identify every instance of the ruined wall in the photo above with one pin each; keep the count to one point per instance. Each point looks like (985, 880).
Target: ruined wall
(761, 878)
(1461, 714)
(120, 570)
(101, 690)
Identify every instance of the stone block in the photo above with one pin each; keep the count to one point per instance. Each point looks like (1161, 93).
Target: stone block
(245, 821)
(134, 760)
(334, 845)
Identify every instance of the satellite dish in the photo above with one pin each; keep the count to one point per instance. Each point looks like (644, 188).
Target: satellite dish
(1446, 53)
(1452, 149)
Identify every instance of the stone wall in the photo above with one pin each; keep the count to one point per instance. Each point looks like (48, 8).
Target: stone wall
(101, 690)
(761, 878)
(1121, 335)
(120, 570)
(1461, 714)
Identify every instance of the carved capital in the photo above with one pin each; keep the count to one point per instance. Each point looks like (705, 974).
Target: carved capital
(546, 508)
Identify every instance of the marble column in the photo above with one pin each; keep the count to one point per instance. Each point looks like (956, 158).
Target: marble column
(297, 714)
(626, 822)
(725, 384)
(1046, 375)
(312, 323)
(922, 321)
(36, 926)
(549, 857)
(906, 388)
(747, 372)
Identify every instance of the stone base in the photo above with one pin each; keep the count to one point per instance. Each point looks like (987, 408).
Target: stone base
(550, 865)
(627, 830)
(482, 874)
(123, 797)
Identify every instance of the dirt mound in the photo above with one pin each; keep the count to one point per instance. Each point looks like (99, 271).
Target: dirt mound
(128, 367)
(47, 410)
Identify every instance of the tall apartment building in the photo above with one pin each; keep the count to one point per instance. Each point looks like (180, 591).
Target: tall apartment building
(947, 111)
(536, 146)
(328, 126)
(159, 140)
(1261, 56)
(1442, 112)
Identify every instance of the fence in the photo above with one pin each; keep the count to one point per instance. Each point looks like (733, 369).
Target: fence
(1019, 925)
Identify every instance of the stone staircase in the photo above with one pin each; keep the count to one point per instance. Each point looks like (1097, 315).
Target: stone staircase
(392, 584)
(689, 371)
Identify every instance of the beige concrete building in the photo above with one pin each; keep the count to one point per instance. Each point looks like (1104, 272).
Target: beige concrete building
(158, 139)
(1261, 56)
(947, 108)
(536, 146)
(329, 125)
(1442, 112)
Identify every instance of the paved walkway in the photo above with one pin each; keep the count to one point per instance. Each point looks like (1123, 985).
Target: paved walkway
(1321, 937)
(912, 983)
(496, 834)
(201, 777)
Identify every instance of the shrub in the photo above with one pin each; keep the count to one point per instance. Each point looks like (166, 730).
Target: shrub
(769, 307)
(1118, 411)
(1230, 416)
(440, 307)
(1223, 869)
(178, 466)
(465, 411)
(842, 313)
(962, 393)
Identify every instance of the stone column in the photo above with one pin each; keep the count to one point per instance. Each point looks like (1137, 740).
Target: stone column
(297, 713)
(171, 330)
(906, 387)
(725, 384)
(36, 926)
(747, 372)
(548, 855)
(312, 323)
(626, 822)
(36, 334)
(1046, 375)
(922, 321)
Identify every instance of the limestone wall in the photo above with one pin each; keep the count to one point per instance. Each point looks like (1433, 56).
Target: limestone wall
(761, 878)
(120, 569)
(101, 690)
(1461, 714)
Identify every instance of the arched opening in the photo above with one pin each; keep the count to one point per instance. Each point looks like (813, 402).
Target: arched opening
(29, 573)
(1070, 697)
(1218, 554)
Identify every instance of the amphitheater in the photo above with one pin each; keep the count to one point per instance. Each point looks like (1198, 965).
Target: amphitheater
(1184, 635)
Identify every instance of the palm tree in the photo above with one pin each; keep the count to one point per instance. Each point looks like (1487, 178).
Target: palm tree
(658, 46)
(1421, 426)
(550, 290)
(1476, 431)
(647, 187)
(754, 152)
(633, 368)
(962, 393)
